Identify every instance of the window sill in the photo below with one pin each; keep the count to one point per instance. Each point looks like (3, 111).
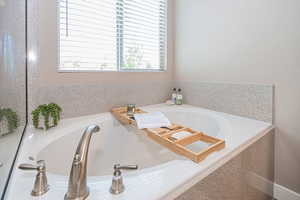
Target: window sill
(103, 71)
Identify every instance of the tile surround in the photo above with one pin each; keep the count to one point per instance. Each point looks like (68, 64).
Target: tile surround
(230, 182)
(78, 100)
(216, 186)
(247, 100)
(253, 101)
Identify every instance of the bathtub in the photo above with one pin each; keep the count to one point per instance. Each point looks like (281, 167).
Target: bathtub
(162, 174)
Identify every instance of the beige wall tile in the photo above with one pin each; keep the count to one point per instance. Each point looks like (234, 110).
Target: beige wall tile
(248, 176)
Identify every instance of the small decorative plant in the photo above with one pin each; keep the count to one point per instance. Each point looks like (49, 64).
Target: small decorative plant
(51, 110)
(12, 120)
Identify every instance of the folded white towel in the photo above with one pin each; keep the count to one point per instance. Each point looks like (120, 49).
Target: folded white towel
(151, 120)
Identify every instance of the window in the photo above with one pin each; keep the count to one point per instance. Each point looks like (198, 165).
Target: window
(112, 35)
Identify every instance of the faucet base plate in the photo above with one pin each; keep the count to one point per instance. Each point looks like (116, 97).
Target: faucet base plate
(40, 192)
(67, 197)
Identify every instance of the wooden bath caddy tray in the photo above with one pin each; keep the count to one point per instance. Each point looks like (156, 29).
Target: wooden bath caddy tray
(177, 138)
(121, 115)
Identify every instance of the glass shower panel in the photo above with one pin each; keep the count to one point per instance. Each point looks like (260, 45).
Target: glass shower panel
(12, 83)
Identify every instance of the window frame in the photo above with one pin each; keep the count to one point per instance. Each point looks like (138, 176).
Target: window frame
(118, 69)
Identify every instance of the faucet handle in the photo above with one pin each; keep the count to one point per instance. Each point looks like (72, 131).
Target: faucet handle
(118, 168)
(41, 184)
(117, 185)
(126, 167)
(27, 167)
(40, 166)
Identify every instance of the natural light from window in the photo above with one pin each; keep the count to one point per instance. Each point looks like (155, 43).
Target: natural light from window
(112, 35)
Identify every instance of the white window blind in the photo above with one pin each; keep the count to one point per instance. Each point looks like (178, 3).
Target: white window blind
(112, 35)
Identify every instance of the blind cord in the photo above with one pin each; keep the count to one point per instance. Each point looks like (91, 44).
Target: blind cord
(67, 18)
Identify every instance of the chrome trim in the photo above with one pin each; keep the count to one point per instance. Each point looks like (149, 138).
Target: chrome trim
(77, 187)
(41, 183)
(117, 186)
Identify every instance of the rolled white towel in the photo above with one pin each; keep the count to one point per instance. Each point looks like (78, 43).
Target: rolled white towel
(151, 120)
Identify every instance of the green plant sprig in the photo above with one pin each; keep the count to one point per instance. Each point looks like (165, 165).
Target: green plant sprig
(12, 118)
(51, 110)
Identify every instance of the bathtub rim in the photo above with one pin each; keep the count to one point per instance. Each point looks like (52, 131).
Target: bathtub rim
(206, 168)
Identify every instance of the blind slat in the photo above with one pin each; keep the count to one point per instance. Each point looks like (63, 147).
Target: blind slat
(112, 34)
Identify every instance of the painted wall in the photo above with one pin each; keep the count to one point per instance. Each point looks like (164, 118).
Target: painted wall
(85, 93)
(248, 41)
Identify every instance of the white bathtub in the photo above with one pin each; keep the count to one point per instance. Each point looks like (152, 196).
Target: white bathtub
(162, 174)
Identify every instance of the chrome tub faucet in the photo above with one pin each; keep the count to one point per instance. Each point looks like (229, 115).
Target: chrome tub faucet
(117, 186)
(40, 184)
(77, 187)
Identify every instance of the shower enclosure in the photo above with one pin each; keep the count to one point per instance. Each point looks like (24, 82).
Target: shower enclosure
(12, 84)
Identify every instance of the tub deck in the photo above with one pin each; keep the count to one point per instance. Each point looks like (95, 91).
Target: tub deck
(161, 182)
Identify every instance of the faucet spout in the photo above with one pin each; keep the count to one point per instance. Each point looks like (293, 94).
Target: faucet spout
(77, 187)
